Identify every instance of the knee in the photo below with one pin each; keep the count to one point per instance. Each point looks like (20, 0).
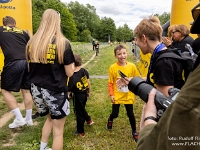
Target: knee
(4, 91)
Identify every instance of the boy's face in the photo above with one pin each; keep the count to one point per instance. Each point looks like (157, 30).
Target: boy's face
(121, 55)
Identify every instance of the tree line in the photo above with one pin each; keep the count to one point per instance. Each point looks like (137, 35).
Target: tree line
(81, 22)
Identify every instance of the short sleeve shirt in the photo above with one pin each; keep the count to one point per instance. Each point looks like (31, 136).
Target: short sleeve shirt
(13, 42)
(79, 81)
(167, 72)
(130, 71)
(52, 75)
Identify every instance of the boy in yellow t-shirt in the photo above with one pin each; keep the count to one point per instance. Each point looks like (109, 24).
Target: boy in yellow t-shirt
(123, 95)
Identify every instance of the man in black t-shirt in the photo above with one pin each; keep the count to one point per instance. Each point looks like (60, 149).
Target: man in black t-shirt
(15, 71)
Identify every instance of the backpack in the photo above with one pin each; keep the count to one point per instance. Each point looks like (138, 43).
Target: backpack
(188, 59)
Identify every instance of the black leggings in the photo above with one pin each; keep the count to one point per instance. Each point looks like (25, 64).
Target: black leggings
(130, 114)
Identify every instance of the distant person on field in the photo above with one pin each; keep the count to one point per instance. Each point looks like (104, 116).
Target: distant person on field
(93, 44)
(133, 46)
(80, 87)
(51, 63)
(96, 47)
(123, 95)
(14, 77)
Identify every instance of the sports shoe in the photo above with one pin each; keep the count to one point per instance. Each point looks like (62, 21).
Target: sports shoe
(17, 123)
(90, 122)
(135, 136)
(109, 124)
(80, 134)
(47, 148)
(37, 114)
(29, 123)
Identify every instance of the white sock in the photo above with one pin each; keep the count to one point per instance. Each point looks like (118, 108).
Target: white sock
(42, 145)
(28, 114)
(17, 114)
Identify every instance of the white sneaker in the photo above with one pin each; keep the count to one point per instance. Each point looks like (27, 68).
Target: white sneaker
(29, 123)
(48, 149)
(17, 123)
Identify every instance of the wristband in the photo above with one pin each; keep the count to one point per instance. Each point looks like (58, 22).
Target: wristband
(151, 118)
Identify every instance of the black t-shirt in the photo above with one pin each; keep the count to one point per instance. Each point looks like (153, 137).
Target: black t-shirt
(196, 46)
(78, 82)
(13, 43)
(96, 46)
(52, 76)
(167, 71)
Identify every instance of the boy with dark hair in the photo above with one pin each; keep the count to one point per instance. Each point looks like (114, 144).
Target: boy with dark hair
(122, 95)
(79, 85)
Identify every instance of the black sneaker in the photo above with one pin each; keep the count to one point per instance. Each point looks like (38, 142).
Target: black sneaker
(109, 124)
(135, 136)
(37, 114)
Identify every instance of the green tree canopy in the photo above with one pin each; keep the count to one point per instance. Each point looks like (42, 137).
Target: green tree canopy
(67, 23)
(107, 28)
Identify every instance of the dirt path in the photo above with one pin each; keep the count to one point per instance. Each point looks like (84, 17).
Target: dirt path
(9, 115)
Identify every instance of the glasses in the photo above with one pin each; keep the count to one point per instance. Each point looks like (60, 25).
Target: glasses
(175, 31)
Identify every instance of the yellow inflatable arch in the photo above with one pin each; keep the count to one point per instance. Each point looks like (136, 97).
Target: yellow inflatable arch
(21, 10)
(180, 14)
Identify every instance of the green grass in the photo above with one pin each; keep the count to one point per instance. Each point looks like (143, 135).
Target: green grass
(97, 137)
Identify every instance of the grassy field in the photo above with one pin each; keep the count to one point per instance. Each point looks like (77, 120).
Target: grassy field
(97, 137)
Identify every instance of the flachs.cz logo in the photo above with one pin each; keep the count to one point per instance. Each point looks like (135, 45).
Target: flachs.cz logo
(5, 1)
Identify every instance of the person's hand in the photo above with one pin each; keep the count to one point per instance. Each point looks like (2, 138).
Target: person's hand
(88, 94)
(166, 41)
(112, 99)
(122, 82)
(149, 109)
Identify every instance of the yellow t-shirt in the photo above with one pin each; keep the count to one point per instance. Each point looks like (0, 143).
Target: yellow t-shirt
(143, 64)
(122, 96)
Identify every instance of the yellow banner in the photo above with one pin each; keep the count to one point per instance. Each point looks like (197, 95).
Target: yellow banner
(21, 11)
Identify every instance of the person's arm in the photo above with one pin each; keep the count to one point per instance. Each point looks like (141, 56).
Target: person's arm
(146, 126)
(111, 92)
(69, 69)
(149, 109)
(166, 41)
(89, 87)
(164, 89)
(69, 61)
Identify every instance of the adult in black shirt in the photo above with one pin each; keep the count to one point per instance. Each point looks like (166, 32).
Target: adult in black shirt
(51, 63)
(15, 71)
(165, 73)
(181, 37)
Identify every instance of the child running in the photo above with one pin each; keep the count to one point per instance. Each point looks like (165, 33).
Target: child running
(80, 87)
(123, 95)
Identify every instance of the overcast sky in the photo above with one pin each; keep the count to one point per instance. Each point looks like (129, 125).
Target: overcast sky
(130, 12)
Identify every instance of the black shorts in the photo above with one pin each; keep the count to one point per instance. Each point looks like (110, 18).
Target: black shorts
(15, 76)
(50, 102)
